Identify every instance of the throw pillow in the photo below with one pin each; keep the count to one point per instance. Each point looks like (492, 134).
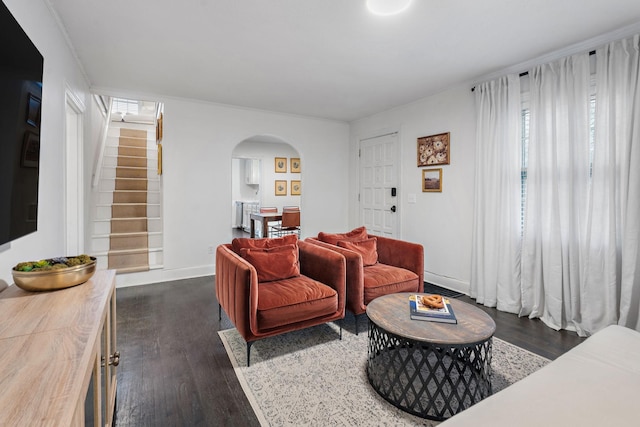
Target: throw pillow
(367, 248)
(273, 263)
(244, 242)
(333, 238)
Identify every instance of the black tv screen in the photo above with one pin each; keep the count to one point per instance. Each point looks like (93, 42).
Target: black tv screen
(20, 105)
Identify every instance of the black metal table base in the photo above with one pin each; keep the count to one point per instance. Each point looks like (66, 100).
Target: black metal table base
(430, 381)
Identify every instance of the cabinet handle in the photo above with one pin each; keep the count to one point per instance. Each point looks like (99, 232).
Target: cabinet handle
(114, 359)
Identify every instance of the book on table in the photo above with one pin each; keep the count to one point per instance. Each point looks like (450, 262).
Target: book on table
(419, 311)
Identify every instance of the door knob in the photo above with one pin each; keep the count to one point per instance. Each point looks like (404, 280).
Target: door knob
(393, 208)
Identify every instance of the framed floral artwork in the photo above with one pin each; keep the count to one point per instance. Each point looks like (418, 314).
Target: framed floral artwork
(296, 187)
(281, 164)
(295, 165)
(281, 187)
(432, 180)
(434, 150)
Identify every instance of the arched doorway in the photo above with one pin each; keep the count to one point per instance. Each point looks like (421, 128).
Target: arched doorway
(266, 171)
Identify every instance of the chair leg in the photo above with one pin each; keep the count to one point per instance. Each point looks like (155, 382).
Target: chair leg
(219, 312)
(249, 344)
(340, 324)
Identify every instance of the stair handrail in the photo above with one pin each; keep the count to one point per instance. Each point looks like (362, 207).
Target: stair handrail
(101, 147)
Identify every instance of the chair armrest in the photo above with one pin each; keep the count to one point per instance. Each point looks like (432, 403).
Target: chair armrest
(354, 275)
(237, 290)
(403, 254)
(325, 266)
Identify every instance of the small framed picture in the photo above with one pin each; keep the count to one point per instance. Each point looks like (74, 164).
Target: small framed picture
(31, 150)
(432, 180)
(281, 164)
(295, 165)
(281, 187)
(433, 150)
(296, 188)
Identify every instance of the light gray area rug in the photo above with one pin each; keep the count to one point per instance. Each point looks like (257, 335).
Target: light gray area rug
(312, 378)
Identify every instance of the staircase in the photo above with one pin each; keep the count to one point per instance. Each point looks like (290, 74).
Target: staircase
(127, 228)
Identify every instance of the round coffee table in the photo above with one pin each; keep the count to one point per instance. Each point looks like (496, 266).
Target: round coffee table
(429, 369)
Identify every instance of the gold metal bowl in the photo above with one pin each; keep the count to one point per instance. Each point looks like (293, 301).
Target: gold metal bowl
(51, 280)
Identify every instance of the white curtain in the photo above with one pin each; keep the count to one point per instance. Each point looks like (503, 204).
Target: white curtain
(612, 285)
(577, 264)
(495, 260)
(557, 193)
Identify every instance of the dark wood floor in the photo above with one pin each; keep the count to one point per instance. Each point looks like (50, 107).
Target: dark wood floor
(174, 370)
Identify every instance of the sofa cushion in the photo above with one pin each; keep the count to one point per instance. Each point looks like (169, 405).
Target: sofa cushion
(382, 279)
(245, 242)
(272, 264)
(367, 248)
(333, 238)
(293, 300)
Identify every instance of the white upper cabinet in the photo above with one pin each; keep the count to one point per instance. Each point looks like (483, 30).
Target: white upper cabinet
(252, 171)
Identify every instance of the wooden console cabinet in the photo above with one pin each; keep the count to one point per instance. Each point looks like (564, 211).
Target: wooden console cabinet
(53, 347)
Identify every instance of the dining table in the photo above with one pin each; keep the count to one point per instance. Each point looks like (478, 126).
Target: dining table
(265, 218)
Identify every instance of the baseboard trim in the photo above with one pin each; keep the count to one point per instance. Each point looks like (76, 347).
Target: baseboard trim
(447, 282)
(163, 275)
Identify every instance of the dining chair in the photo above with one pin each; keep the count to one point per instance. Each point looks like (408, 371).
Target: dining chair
(290, 223)
(267, 209)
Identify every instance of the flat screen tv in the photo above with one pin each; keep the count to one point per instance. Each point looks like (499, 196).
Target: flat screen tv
(20, 104)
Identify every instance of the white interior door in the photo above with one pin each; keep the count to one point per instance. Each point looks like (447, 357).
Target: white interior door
(379, 184)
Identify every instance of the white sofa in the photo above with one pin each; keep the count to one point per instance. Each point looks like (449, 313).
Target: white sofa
(597, 383)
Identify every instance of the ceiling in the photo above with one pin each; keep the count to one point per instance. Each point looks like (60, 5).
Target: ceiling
(322, 58)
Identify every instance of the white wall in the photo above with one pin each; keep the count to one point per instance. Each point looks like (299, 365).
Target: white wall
(441, 222)
(60, 71)
(198, 144)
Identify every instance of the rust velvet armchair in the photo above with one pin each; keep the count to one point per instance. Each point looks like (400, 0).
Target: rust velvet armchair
(264, 294)
(375, 266)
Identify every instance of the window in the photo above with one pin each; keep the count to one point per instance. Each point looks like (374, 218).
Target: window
(124, 106)
(525, 118)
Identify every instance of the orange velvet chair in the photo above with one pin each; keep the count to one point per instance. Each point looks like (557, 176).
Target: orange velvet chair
(263, 294)
(376, 266)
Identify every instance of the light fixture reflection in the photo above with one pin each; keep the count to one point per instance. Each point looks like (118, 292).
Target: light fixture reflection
(387, 7)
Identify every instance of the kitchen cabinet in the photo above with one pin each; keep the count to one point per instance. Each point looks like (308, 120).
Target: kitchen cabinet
(252, 171)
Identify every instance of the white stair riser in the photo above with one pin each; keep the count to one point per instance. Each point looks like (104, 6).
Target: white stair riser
(153, 184)
(104, 198)
(100, 244)
(112, 152)
(154, 224)
(153, 210)
(155, 240)
(103, 212)
(102, 261)
(114, 129)
(101, 227)
(155, 258)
